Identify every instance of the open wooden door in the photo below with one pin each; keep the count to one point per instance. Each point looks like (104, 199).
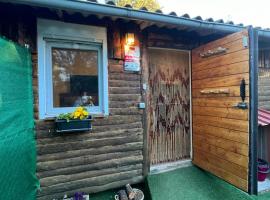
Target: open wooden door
(220, 129)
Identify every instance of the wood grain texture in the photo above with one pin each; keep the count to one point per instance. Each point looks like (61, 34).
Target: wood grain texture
(95, 181)
(222, 122)
(220, 172)
(231, 47)
(228, 145)
(230, 113)
(216, 101)
(233, 92)
(224, 133)
(232, 168)
(231, 80)
(225, 70)
(221, 131)
(228, 40)
(47, 182)
(222, 153)
(235, 57)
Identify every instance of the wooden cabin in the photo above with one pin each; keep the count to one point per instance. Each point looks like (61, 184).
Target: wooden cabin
(165, 90)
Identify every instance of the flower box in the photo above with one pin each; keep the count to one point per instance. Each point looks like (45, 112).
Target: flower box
(73, 125)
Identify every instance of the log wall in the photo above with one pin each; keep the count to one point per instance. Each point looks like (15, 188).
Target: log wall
(109, 156)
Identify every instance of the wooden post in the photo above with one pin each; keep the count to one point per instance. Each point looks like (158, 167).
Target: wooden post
(145, 95)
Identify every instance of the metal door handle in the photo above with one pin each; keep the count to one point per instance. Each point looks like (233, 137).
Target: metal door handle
(242, 105)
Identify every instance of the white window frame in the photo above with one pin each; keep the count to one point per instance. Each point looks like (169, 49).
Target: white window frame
(65, 35)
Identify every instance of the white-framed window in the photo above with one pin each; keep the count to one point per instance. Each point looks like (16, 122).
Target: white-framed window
(72, 68)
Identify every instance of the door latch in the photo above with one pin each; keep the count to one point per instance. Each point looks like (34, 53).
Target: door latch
(242, 105)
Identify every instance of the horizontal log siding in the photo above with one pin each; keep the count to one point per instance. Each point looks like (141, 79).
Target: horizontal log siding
(264, 88)
(107, 157)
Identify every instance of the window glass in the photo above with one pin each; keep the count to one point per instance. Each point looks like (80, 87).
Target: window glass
(75, 77)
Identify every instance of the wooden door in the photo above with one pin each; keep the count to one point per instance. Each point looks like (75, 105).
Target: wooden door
(220, 130)
(169, 138)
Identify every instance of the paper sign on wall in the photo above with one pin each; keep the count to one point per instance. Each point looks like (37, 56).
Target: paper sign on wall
(132, 58)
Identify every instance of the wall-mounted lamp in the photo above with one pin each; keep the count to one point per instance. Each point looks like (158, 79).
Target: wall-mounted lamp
(132, 53)
(130, 38)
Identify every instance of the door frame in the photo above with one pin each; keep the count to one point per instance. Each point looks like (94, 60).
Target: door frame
(253, 118)
(177, 164)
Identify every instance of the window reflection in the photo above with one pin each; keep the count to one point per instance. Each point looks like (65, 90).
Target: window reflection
(75, 77)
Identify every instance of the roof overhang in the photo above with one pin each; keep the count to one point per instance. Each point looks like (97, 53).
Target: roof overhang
(87, 7)
(128, 13)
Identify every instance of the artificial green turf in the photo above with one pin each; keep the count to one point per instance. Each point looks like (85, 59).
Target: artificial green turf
(265, 196)
(107, 195)
(192, 183)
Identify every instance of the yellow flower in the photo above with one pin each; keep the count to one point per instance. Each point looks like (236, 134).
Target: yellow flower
(79, 113)
(76, 114)
(85, 113)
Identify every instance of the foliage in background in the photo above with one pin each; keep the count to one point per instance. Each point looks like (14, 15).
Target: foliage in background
(151, 5)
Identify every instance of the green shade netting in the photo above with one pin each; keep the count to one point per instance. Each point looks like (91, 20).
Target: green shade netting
(17, 139)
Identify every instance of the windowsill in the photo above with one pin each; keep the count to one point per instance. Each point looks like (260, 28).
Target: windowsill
(95, 116)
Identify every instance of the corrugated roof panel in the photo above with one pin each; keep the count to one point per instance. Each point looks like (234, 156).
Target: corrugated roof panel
(263, 117)
(110, 3)
(144, 8)
(131, 12)
(172, 13)
(185, 15)
(159, 11)
(198, 18)
(210, 19)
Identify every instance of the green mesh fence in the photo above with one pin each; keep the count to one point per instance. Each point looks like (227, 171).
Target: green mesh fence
(17, 140)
